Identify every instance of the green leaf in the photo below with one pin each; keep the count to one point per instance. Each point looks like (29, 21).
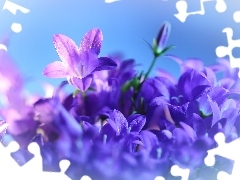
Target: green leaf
(157, 54)
(135, 83)
(149, 45)
(126, 86)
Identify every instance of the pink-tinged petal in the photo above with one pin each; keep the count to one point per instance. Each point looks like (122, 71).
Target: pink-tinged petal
(82, 84)
(92, 40)
(67, 50)
(175, 58)
(56, 69)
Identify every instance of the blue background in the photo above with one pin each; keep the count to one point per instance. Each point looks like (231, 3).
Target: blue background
(124, 24)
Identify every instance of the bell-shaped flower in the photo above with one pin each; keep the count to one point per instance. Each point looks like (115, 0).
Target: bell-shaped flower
(78, 64)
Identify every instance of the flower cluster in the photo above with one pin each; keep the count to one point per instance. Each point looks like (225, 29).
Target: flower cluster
(121, 124)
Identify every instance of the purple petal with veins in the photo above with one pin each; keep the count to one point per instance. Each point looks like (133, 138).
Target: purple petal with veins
(92, 40)
(56, 69)
(67, 49)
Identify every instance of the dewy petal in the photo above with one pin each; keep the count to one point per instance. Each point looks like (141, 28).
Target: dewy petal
(82, 84)
(66, 49)
(92, 40)
(120, 121)
(105, 63)
(136, 122)
(56, 69)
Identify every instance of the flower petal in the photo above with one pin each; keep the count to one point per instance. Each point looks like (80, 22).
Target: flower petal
(89, 61)
(226, 83)
(92, 40)
(199, 125)
(82, 84)
(136, 122)
(163, 35)
(67, 49)
(56, 69)
(104, 63)
(189, 130)
(120, 121)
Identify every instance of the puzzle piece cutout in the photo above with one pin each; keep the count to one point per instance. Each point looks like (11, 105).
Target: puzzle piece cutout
(236, 16)
(182, 7)
(10, 170)
(177, 171)
(222, 51)
(227, 150)
(16, 27)
(3, 46)
(12, 7)
(159, 178)
(32, 169)
(3, 43)
(111, 1)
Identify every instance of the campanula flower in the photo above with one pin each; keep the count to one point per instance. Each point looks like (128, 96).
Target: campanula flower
(78, 64)
(159, 44)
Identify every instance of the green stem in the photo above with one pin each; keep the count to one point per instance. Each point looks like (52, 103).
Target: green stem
(136, 91)
(75, 93)
(150, 68)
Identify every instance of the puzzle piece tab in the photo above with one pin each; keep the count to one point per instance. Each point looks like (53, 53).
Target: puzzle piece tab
(10, 170)
(182, 7)
(177, 171)
(227, 150)
(12, 7)
(111, 1)
(236, 16)
(222, 51)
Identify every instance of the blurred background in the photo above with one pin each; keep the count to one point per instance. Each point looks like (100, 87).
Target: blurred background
(123, 23)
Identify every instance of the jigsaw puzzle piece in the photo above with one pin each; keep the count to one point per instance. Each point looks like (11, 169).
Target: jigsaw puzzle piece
(182, 7)
(85, 177)
(159, 178)
(7, 163)
(222, 164)
(236, 16)
(12, 7)
(220, 6)
(229, 151)
(234, 175)
(64, 164)
(222, 51)
(21, 156)
(177, 171)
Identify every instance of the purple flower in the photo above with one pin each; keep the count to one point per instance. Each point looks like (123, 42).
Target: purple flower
(78, 64)
(121, 125)
(163, 35)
